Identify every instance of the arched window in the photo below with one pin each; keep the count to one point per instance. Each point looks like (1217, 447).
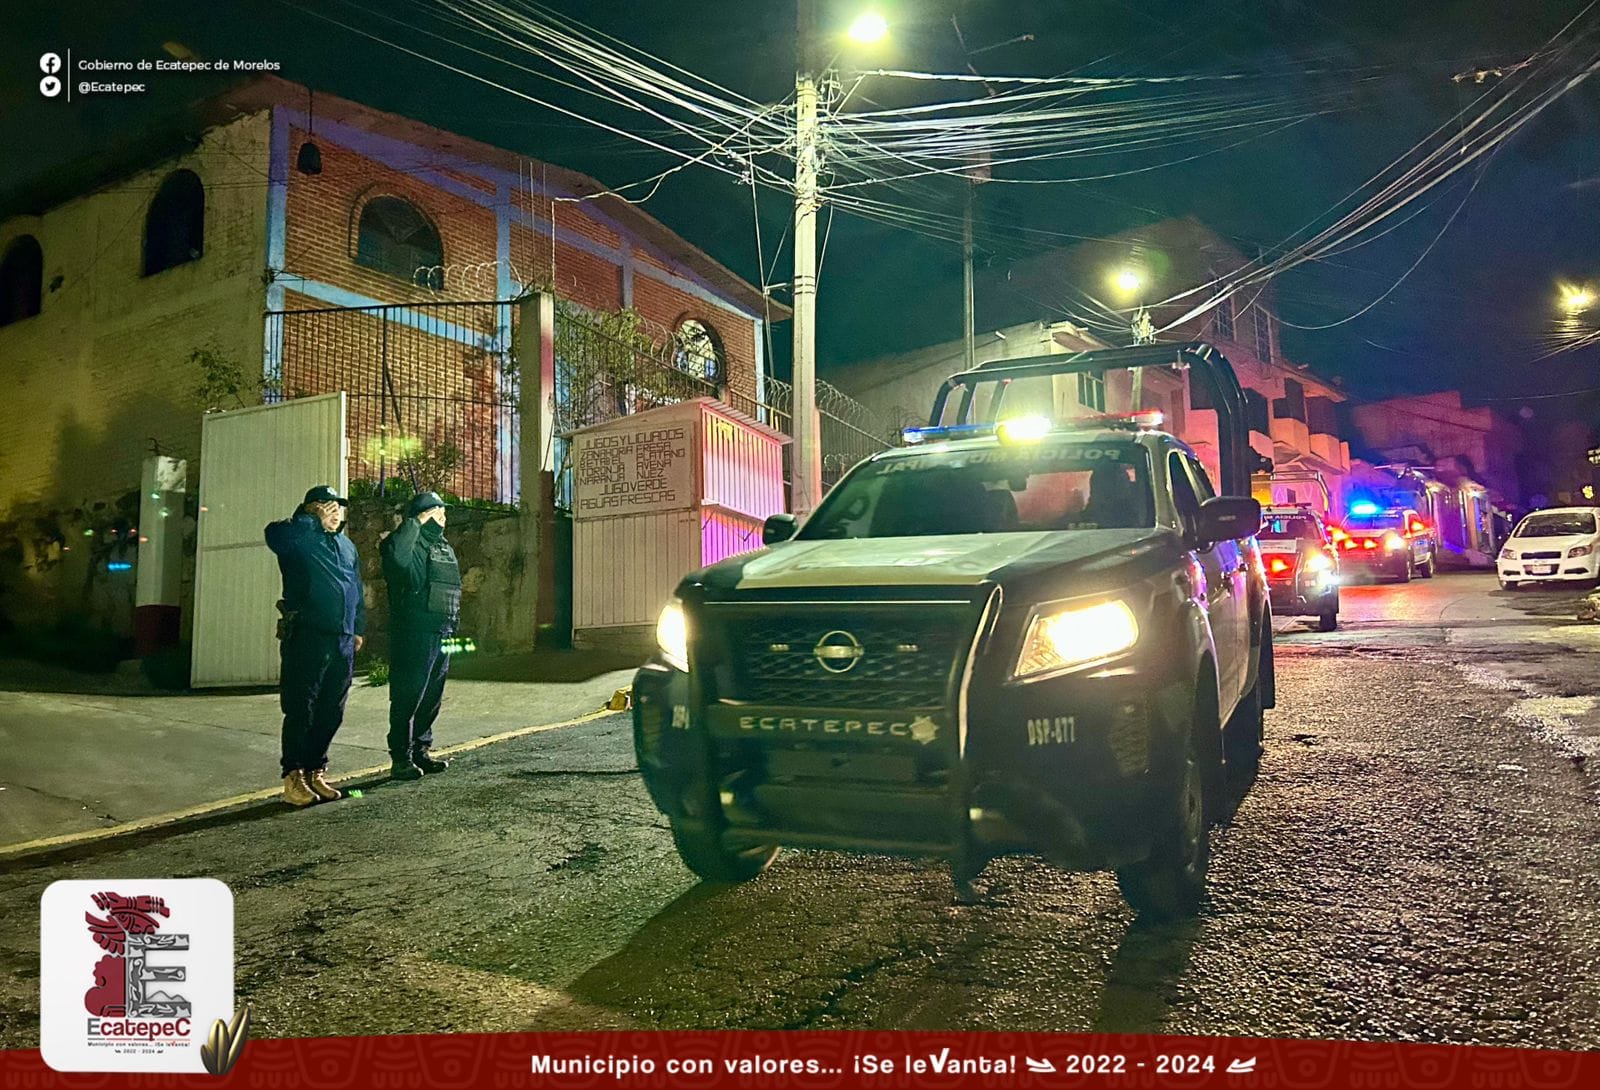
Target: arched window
(175, 226)
(21, 279)
(698, 352)
(394, 237)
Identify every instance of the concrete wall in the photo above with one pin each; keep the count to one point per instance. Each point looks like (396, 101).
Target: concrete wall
(1440, 426)
(103, 368)
(497, 588)
(103, 371)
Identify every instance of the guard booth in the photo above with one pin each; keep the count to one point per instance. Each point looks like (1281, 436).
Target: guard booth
(656, 495)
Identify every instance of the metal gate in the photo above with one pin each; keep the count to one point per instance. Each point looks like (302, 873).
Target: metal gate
(255, 466)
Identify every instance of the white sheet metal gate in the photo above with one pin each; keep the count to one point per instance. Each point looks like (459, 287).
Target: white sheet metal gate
(255, 466)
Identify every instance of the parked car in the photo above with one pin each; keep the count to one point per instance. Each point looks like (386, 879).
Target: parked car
(1556, 545)
(1301, 563)
(1397, 543)
(1014, 637)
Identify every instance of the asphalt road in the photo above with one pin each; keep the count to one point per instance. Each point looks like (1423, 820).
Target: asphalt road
(1416, 862)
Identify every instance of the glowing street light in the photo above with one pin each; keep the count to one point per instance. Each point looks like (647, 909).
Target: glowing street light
(1575, 298)
(870, 27)
(1127, 281)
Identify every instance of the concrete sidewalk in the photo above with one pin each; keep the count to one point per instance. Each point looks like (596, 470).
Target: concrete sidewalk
(73, 762)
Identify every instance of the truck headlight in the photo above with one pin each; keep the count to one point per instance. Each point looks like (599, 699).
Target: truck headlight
(1580, 550)
(672, 635)
(1318, 562)
(1074, 636)
(1393, 542)
(1508, 553)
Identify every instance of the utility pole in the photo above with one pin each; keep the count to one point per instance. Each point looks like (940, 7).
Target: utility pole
(807, 450)
(968, 309)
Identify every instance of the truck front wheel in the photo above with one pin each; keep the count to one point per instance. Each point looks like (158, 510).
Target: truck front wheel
(702, 852)
(1171, 882)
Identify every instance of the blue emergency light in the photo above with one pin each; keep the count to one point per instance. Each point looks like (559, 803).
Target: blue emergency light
(945, 431)
(1364, 507)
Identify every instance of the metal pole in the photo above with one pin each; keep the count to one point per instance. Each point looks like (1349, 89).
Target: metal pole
(807, 439)
(968, 310)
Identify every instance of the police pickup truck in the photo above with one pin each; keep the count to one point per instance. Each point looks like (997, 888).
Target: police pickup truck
(1009, 636)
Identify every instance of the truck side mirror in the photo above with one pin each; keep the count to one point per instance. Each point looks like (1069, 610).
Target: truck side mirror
(779, 528)
(1226, 518)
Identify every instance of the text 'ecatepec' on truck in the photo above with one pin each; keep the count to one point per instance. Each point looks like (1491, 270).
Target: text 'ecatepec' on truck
(1009, 636)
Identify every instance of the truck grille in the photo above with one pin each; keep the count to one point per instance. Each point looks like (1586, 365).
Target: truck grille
(838, 663)
(1541, 556)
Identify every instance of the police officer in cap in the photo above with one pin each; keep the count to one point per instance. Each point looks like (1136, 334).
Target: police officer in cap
(323, 626)
(424, 605)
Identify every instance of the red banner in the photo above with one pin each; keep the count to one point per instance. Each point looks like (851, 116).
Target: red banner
(823, 1060)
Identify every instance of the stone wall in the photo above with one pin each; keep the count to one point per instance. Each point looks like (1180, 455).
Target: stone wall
(498, 592)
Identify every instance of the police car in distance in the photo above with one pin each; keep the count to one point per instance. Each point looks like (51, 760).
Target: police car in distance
(1302, 566)
(1395, 542)
(1012, 637)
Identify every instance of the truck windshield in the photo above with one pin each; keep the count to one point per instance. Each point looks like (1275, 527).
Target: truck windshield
(1387, 520)
(992, 490)
(1290, 527)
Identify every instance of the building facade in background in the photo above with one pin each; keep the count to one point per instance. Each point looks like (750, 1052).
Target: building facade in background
(1087, 296)
(1436, 432)
(301, 244)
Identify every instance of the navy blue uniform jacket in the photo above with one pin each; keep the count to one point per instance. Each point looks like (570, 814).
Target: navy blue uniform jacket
(321, 576)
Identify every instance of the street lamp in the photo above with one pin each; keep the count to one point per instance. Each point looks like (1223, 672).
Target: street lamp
(1576, 297)
(870, 27)
(1127, 281)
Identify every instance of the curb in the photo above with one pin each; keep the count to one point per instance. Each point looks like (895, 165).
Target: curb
(238, 806)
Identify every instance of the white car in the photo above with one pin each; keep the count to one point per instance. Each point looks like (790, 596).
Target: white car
(1558, 544)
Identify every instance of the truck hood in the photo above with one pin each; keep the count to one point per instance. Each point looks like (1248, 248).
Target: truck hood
(938, 560)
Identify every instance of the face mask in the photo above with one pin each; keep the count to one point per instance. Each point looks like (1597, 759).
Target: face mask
(432, 531)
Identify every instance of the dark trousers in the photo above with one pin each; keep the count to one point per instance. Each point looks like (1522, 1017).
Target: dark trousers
(417, 670)
(317, 668)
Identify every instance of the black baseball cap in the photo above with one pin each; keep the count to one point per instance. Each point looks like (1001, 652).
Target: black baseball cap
(424, 501)
(323, 493)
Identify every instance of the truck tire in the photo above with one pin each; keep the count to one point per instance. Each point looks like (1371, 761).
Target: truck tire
(1328, 620)
(1405, 573)
(702, 852)
(1246, 727)
(1431, 566)
(1170, 883)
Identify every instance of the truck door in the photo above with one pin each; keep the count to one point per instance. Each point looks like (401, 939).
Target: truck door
(1227, 583)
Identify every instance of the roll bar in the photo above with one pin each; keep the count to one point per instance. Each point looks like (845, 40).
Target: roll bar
(1205, 364)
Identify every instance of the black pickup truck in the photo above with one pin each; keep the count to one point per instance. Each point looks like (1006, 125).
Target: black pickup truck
(1011, 636)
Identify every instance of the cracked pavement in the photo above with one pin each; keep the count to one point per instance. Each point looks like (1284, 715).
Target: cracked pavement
(1416, 862)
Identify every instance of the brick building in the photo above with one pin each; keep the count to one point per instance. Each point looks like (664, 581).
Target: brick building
(190, 247)
(299, 237)
(1441, 434)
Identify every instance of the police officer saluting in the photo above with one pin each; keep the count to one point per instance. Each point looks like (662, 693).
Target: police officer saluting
(424, 605)
(324, 624)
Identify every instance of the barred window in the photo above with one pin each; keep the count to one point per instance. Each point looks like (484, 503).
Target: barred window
(1092, 391)
(175, 225)
(21, 279)
(1225, 319)
(395, 237)
(698, 352)
(1263, 334)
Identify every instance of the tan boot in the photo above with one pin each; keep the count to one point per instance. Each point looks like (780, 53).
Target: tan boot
(295, 790)
(320, 786)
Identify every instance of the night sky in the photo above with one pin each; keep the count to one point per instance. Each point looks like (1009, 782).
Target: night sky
(1470, 316)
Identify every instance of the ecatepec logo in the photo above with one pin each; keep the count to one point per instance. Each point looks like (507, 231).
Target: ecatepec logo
(134, 974)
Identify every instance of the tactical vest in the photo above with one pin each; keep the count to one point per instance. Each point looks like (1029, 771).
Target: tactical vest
(438, 603)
